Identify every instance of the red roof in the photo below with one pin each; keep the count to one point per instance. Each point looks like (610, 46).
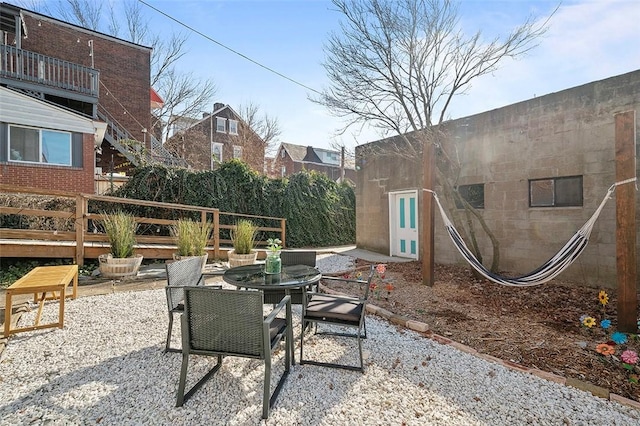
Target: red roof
(156, 100)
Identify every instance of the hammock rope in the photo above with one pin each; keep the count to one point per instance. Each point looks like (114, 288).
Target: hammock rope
(547, 271)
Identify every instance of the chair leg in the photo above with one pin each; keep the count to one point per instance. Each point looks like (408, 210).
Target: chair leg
(183, 379)
(360, 351)
(268, 401)
(266, 392)
(166, 347)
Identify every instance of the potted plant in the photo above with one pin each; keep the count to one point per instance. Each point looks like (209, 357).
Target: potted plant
(191, 239)
(120, 228)
(273, 263)
(243, 238)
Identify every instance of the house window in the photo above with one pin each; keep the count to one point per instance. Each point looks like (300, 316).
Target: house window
(233, 127)
(555, 192)
(283, 171)
(472, 194)
(237, 151)
(221, 125)
(216, 152)
(282, 153)
(39, 146)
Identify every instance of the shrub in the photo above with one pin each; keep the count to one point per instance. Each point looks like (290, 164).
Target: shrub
(120, 228)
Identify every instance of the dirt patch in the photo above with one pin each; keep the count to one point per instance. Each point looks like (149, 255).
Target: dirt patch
(537, 327)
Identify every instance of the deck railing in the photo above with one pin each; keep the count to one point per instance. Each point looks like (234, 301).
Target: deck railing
(88, 241)
(24, 65)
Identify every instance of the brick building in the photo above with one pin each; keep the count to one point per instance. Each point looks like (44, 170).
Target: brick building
(219, 136)
(292, 158)
(90, 74)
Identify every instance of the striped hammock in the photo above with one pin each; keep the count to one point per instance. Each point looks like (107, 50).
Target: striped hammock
(551, 268)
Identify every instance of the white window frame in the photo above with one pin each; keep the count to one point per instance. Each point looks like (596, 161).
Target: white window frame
(40, 146)
(237, 151)
(221, 125)
(233, 127)
(220, 146)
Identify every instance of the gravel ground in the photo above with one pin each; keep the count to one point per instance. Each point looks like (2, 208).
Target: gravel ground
(107, 366)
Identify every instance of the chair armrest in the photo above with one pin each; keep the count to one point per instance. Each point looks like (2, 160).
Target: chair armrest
(348, 280)
(336, 296)
(284, 302)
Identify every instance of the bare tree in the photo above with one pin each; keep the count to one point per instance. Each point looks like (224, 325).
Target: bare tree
(262, 124)
(397, 65)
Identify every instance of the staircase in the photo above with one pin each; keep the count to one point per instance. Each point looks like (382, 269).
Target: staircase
(132, 149)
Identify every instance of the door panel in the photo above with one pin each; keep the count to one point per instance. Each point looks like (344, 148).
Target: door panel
(403, 224)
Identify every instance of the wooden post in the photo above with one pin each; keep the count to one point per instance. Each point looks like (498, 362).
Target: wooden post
(283, 231)
(80, 225)
(626, 222)
(216, 234)
(428, 182)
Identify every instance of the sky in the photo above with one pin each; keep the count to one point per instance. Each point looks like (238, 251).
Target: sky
(588, 40)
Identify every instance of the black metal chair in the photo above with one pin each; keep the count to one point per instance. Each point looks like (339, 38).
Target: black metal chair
(291, 257)
(344, 311)
(221, 323)
(180, 274)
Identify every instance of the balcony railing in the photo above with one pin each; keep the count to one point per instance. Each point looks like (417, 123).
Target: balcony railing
(44, 70)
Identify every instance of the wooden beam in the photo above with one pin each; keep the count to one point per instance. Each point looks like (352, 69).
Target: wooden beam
(625, 125)
(428, 182)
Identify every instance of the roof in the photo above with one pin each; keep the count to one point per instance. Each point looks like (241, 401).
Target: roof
(36, 15)
(296, 152)
(156, 100)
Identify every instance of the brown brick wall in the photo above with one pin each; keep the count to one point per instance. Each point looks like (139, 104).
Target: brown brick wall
(53, 177)
(194, 145)
(124, 68)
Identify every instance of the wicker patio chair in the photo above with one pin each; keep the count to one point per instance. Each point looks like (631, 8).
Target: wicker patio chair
(180, 274)
(337, 310)
(291, 258)
(221, 323)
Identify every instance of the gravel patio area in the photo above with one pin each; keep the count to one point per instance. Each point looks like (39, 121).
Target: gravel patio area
(107, 367)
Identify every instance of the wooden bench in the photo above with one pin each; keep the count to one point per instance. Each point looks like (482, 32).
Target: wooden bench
(40, 281)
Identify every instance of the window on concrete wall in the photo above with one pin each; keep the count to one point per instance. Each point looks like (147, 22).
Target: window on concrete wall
(556, 192)
(233, 127)
(237, 151)
(221, 125)
(472, 194)
(39, 146)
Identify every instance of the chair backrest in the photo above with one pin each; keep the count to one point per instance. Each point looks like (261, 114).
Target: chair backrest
(372, 271)
(182, 273)
(224, 321)
(298, 258)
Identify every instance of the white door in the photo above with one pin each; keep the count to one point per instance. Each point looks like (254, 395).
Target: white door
(403, 224)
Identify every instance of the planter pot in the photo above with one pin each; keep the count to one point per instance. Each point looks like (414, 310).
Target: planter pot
(203, 258)
(241, 259)
(273, 263)
(111, 267)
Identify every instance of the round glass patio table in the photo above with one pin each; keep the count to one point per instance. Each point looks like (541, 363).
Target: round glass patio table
(253, 276)
(291, 276)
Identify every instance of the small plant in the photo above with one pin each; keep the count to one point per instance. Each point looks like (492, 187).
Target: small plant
(243, 236)
(619, 348)
(379, 284)
(191, 237)
(274, 245)
(120, 228)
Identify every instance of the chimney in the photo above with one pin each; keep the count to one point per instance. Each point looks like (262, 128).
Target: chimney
(205, 114)
(217, 106)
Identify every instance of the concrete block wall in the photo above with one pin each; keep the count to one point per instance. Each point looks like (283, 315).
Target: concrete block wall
(568, 133)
